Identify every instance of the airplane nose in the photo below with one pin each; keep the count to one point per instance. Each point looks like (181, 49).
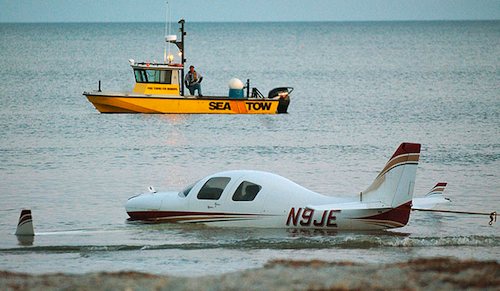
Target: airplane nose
(143, 202)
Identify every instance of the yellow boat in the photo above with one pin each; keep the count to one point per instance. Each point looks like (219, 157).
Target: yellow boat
(159, 89)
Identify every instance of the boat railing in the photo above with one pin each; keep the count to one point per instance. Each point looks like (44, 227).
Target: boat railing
(256, 93)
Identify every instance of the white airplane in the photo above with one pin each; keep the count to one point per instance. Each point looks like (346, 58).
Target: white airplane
(240, 210)
(245, 198)
(435, 196)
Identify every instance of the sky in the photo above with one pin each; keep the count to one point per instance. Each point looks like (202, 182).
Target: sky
(245, 10)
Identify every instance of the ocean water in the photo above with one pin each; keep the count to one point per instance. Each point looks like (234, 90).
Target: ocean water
(360, 90)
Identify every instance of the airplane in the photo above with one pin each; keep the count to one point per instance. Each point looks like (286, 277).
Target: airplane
(435, 196)
(246, 198)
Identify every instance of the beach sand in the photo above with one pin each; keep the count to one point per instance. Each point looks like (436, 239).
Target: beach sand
(421, 274)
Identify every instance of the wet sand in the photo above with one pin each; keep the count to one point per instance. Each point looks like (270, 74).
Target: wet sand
(421, 274)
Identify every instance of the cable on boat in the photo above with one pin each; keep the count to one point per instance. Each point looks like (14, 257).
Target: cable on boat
(492, 215)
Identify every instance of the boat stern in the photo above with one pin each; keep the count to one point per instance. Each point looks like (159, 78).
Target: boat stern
(283, 94)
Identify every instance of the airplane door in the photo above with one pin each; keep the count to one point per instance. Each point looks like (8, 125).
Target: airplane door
(209, 197)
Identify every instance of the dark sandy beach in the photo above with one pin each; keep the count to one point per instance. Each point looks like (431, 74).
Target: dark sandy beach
(421, 274)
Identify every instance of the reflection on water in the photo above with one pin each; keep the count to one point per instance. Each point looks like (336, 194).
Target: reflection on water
(25, 240)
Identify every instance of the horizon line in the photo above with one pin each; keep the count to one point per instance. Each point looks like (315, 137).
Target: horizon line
(254, 21)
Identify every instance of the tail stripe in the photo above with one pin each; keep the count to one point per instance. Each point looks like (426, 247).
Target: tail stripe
(398, 161)
(438, 189)
(25, 218)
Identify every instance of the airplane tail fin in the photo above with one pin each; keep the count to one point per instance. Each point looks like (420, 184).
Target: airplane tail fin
(25, 224)
(393, 187)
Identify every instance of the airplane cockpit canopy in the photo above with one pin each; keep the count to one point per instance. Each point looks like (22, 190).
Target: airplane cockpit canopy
(213, 188)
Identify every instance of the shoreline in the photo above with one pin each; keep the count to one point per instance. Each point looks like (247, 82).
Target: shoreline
(419, 274)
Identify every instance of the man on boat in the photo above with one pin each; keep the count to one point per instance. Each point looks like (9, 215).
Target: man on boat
(193, 80)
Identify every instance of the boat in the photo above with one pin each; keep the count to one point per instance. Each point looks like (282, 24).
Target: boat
(159, 88)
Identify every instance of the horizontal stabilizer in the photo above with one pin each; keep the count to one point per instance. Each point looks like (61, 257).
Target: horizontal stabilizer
(25, 224)
(435, 196)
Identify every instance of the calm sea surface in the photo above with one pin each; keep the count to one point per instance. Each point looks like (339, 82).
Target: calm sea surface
(360, 90)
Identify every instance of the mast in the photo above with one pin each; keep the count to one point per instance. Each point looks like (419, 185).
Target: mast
(180, 45)
(181, 48)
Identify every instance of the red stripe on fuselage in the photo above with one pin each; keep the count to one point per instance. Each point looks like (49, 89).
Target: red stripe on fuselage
(400, 214)
(147, 215)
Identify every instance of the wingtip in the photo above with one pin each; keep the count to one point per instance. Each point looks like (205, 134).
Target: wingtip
(438, 189)
(25, 224)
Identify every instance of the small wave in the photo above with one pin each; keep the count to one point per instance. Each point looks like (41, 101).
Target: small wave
(72, 248)
(344, 242)
(475, 241)
(369, 242)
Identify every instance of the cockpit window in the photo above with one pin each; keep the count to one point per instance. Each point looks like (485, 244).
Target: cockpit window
(213, 188)
(247, 191)
(185, 191)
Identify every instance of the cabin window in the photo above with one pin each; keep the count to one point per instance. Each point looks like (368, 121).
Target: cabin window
(165, 77)
(213, 188)
(153, 76)
(246, 191)
(140, 76)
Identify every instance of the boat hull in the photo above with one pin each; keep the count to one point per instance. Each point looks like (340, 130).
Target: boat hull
(115, 103)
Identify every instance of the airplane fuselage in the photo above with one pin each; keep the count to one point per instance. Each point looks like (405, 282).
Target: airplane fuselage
(280, 203)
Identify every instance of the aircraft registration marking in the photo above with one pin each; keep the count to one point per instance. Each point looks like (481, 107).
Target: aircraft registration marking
(305, 217)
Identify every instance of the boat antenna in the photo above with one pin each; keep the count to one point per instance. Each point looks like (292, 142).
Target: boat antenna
(167, 32)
